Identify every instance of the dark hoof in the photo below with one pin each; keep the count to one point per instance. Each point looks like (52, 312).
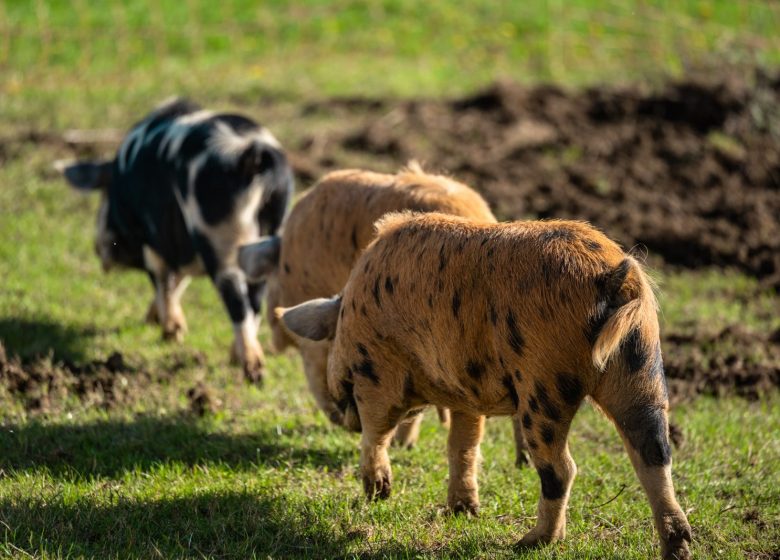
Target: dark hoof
(254, 375)
(376, 489)
(465, 507)
(681, 553)
(532, 539)
(174, 335)
(678, 537)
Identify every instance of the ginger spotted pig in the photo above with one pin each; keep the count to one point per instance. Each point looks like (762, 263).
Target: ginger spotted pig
(322, 239)
(524, 318)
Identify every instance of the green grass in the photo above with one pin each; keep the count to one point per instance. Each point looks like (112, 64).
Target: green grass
(266, 475)
(270, 480)
(88, 63)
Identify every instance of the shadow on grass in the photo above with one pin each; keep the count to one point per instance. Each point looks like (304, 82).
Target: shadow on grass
(111, 447)
(31, 338)
(221, 525)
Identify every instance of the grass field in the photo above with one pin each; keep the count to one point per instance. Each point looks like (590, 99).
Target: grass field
(266, 475)
(87, 62)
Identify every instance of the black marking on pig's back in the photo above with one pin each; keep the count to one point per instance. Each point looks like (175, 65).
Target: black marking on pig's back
(557, 234)
(592, 245)
(442, 259)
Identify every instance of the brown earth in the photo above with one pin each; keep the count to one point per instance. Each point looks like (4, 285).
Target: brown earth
(42, 383)
(732, 361)
(691, 172)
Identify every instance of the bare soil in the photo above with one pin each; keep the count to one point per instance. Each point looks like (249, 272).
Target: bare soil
(691, 172)
(42, 382)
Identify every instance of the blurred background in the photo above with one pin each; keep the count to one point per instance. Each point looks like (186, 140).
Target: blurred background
(85, 54)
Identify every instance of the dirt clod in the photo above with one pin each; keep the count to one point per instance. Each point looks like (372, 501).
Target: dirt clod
(203, 400)
(40, 381)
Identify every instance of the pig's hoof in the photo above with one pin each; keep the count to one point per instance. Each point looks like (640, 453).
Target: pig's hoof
(679, 553)
(535, 538)
(377, 487)
(469, 506)
(676, 535)
(254, 373)
(174, 333)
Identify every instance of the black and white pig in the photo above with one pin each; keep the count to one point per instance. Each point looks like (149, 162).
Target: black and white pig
(186, 188)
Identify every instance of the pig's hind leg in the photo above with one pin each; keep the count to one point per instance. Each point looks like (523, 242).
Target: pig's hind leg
(545, 416)
(464, 456)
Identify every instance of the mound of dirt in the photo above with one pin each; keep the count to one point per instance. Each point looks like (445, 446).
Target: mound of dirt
(203, 399)
(732, 361)
(692, 172)
(42, 382)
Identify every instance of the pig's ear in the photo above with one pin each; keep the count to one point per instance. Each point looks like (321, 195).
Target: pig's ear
(87, 175)
(259, 259)
(314, 319)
